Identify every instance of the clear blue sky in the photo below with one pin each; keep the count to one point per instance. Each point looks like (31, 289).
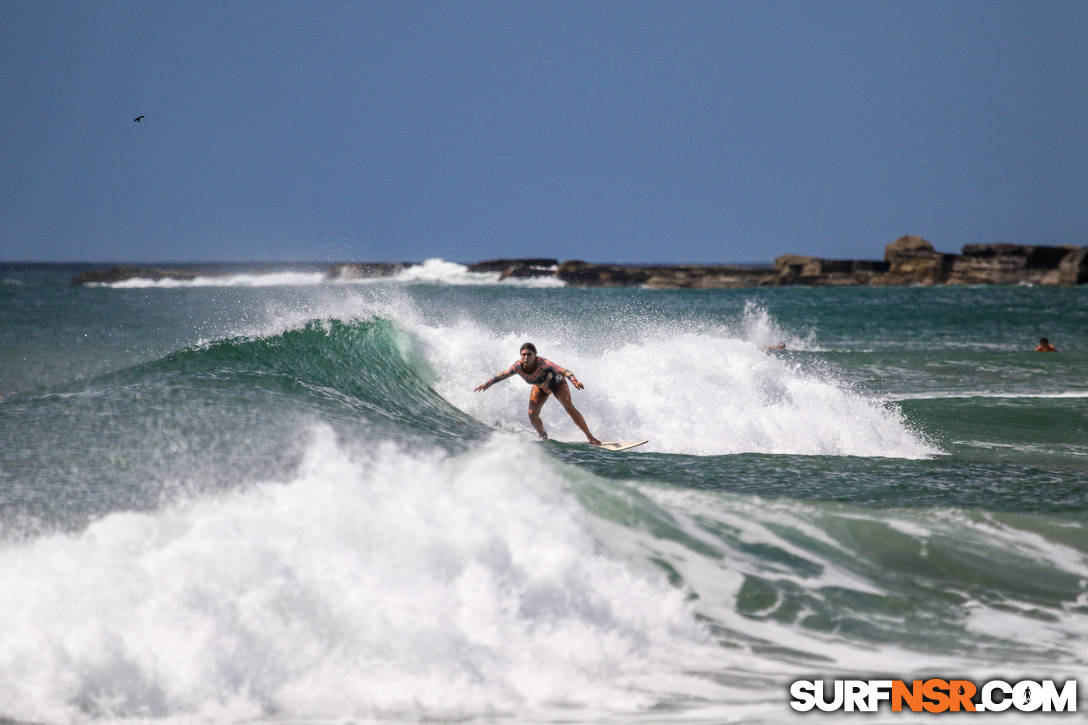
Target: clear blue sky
(607, 131)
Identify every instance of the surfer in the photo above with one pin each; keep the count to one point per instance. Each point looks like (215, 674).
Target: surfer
(546, 378)
(1045, 346)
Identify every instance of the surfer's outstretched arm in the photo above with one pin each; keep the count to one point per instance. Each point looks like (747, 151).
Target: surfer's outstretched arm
(500, 377)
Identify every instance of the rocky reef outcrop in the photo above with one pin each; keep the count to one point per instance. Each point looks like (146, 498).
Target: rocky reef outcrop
(797, 269)
(364, 270)
(690, 276)
(909, 260)
(517, 268)
(1018, 264)
(126, 272)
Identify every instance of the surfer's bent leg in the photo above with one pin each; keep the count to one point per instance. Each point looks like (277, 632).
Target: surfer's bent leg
(563, 393)
(537, 399)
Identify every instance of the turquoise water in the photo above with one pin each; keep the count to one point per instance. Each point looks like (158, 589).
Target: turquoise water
(276, 498)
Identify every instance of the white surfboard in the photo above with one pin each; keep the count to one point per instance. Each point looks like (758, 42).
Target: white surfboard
(610, 445)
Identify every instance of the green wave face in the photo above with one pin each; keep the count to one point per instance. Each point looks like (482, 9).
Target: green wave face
(366, 370)
(205, 417)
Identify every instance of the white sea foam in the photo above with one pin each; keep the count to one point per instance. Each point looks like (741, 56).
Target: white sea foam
(757, 326)
(380, 584)
(376, 585)
(265, 279)
(987, 394)
(431, 271)
(440, 271)
(702, 392)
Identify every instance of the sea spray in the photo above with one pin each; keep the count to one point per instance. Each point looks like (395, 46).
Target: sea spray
(702, 392)
(440, 271)
(688, 386)
(758, 326)
(256, 279)
(394, 584)
(430, 271)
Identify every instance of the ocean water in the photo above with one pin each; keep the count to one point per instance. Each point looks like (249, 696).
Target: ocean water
(262, 497)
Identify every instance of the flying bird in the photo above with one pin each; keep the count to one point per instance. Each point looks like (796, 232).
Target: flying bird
(138, 119)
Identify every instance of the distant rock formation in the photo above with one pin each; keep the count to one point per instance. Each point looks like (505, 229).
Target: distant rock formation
(364, 270)
(909, 260)
(586, 274)
(120, 274)
(1015, 264)
(687, 276)
(796, 269)
(517, 268)
(913, 260)
(1073, 268)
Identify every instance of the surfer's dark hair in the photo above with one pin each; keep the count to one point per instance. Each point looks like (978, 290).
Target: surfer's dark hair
(528, 346)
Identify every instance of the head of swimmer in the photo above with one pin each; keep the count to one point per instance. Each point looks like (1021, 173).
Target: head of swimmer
(528, 355)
